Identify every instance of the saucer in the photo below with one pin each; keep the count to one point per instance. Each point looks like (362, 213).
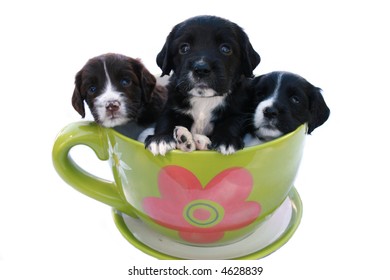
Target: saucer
(269, 237)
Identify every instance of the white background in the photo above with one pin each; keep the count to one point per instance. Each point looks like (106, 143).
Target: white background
(49, 230)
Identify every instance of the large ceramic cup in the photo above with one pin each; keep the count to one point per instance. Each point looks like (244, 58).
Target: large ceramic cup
(201, 198)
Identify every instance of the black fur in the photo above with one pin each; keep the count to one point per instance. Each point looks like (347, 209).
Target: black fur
(295, 102)
(206, 54)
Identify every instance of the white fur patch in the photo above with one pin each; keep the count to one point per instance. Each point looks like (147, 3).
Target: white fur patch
(109, 94)
(266, 128)
(202, 92)
(259, 118)
(201, 112)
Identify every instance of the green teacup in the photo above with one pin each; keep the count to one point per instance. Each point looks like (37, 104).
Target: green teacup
(201, 198)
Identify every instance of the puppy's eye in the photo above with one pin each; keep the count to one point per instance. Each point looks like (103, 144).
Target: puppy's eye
(184, 48)
(125, 82)
(295, 99)
(225, 49)
(92, 90)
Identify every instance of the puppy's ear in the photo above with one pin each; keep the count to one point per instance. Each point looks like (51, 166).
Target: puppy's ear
(164, 58)
(147, 80)
(319, 111)
(77, 99)
(249, 57)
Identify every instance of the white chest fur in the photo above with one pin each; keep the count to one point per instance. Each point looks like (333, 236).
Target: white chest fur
(202, 112)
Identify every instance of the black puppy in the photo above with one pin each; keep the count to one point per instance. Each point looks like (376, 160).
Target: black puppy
(282, 102)
(210, 58)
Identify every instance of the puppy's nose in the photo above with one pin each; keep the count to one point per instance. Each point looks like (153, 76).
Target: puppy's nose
(201, 68)
(113, 106)
(270, 112)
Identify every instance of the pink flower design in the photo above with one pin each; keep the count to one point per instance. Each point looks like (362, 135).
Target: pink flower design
(202, 215)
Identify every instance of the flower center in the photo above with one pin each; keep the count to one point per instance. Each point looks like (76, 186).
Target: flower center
(116, 160)
(203, 213)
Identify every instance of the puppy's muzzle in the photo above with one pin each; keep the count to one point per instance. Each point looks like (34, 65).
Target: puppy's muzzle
(271, 112)
(113, 106)
(201, 69)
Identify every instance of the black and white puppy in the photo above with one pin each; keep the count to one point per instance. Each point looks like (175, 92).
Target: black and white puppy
(118, 89)
(210, 58)
(282, 102)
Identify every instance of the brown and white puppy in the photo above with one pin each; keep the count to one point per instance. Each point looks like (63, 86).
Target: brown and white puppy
(282, 101)
(118, 89)
(210, 58)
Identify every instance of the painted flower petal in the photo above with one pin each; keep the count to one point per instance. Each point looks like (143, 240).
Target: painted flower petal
(122, 174)
(123, 165)
(174, 182)
(165, 213)
(230, 186)
(241, 215)
(201, 237)
(179, 188)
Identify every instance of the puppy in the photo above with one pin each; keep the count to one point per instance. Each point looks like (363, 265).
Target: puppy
(282, 102)
(210, 58)
(118, 89)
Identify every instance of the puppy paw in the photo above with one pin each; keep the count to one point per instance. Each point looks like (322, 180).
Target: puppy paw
(160, 144)
(183, 138)
(227, 147)
(226, 150)
(202, 142)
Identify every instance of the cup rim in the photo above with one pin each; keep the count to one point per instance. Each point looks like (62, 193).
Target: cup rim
(246, 149)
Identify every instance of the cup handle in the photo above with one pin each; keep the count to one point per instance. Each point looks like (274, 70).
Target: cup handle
(90, 134)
